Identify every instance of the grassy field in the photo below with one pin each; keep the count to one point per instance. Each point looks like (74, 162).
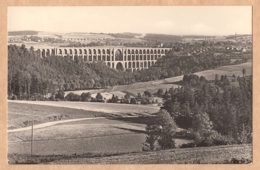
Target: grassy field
(227, 70)
(112, 108)
(103, 144)
(89, 136)
(192, 155)
(20, 113)
(113, 133)
(224, 70)
(203, 155)
(151, 86)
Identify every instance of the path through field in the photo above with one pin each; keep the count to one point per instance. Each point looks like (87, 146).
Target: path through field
(43, 125)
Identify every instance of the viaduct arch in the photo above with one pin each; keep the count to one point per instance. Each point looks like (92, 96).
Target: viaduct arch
(121, 58)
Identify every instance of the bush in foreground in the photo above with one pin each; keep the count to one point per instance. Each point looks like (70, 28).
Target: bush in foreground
(161, 132)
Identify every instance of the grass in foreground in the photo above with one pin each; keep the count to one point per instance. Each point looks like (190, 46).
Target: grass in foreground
(204, 155)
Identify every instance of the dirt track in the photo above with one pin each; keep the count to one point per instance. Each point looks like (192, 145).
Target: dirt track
(43, 125)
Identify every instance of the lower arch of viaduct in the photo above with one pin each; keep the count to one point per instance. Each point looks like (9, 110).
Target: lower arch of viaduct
(118, 58)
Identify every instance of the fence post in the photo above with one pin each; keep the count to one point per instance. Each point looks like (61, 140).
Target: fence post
(32, 140)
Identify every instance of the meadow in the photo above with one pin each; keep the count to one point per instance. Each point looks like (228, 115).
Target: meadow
(95, 136)
(228, 70)
(111, 108)
(20, 114)
(105, 133)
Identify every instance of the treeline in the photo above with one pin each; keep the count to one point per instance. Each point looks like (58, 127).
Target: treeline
(145, 98)
(84, 97)
(22, 32)
(172, 65)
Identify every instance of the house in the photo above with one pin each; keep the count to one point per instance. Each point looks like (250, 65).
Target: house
(243, 50)
(217, 54)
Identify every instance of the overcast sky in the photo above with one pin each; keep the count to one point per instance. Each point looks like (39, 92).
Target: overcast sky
(165, 20)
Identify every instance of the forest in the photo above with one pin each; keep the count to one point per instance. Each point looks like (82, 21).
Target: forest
(209, 112)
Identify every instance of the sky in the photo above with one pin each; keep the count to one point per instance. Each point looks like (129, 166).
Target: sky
(189, 20)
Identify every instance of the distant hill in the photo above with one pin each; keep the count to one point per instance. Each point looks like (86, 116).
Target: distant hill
(196, 36)
(12, 33)
(163, 38)
(122, 35)
(134, 34)
(238, 35)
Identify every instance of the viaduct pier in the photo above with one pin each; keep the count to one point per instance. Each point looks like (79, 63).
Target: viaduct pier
(120, 58)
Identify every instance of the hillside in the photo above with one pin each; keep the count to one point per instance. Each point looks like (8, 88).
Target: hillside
(39, 76)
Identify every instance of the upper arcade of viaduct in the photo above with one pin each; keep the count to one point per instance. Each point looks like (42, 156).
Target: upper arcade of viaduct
(134, 58)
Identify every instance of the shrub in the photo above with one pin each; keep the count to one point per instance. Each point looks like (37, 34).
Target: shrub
(238, 161)
(52, 98)
(133, 101)
(99, 97)
(60, 95)
(73, 97)
(212, 138)
(184, 134)
(188, 145)
(86, 97)
(14, 97)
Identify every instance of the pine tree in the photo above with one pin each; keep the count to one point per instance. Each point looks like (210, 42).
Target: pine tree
(244, 72)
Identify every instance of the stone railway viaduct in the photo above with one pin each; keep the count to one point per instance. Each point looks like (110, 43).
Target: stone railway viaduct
(120, 58)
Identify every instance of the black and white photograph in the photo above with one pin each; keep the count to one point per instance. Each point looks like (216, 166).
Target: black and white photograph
(129, 85)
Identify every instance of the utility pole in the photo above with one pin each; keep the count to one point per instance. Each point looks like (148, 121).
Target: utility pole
(32, 140)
